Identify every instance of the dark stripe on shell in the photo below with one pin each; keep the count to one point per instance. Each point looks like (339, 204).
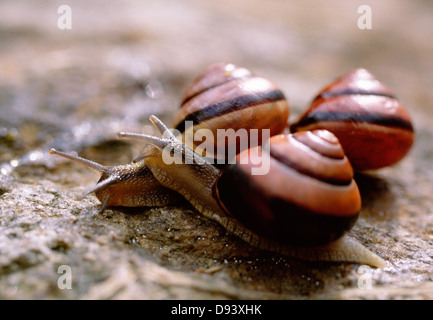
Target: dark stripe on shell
(374, 118)
(228, 106)
(329, 94)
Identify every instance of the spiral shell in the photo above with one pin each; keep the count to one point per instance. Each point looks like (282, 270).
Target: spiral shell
(374, 129)
(227, 97)
(308, 197)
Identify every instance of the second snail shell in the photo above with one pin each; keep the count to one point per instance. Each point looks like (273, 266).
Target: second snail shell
(308, 197)
(226, 99)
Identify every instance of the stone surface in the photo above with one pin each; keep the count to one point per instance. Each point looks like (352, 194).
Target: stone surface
(120, 62)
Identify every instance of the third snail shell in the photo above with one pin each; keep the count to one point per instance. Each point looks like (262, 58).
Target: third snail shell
(374, 129)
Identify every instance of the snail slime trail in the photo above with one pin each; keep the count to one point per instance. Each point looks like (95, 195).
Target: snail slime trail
(228, 142)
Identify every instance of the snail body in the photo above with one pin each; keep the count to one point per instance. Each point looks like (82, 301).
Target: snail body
(374, 129)
(129, 185)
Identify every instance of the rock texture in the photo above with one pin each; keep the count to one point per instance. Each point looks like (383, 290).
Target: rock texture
(74, 89)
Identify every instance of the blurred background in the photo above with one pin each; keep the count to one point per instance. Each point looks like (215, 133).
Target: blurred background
(160, 46)
(121, 61)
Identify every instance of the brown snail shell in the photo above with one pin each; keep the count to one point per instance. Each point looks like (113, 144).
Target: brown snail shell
(228, 100)
(129, 185)
(374, 129)
(308, 197)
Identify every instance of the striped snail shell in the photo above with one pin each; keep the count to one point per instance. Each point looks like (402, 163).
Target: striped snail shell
(301, 207)
(308, 197)
(374, 129)
(229, 100)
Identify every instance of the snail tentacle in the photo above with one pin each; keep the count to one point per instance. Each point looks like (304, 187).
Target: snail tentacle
(86, 162)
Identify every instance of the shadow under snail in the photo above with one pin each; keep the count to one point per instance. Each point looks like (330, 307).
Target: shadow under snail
(301, 207)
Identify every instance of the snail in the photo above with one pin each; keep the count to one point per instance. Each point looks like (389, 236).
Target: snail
(223, 97)
(307, 222)
(374, 129)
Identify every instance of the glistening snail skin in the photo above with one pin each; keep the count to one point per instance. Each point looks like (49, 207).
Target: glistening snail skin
(129, 185)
